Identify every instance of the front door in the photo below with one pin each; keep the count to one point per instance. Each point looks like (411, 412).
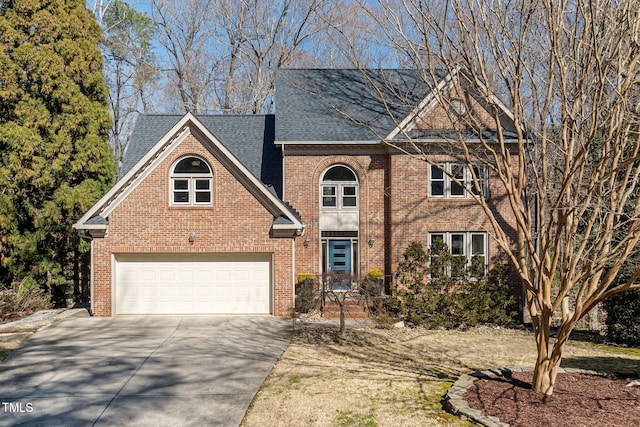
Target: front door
(340, 255)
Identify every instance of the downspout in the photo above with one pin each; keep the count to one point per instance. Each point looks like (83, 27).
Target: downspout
(90, 239)
(284, 187)
(293, 272)
(91, 299)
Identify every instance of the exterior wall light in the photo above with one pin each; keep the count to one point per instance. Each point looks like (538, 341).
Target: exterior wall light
(307, 241)
(192, 237)
(371, 241)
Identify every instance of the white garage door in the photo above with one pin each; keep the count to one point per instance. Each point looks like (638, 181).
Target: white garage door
(193, 284)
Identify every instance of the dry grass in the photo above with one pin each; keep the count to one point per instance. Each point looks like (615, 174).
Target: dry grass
(397, 378)
(10, 341)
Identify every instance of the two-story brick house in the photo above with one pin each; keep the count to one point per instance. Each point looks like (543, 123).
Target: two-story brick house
(217, 214)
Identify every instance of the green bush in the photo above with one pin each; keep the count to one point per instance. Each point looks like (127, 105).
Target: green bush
(623, 317)
(305, 296)
(435, 289)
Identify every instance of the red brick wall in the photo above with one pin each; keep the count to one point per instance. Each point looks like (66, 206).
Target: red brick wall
(414, 214)
(145, 223)
(302, 174)
(393, 184)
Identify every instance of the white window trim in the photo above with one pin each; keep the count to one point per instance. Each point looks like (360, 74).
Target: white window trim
(448, 182)
(356, 187)
(191, 179)
(339, 190)
(333, 196)
(468, 243)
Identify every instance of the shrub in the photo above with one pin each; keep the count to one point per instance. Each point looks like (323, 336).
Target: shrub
(302, 277)
(305, 296)
(370, 288)
(23, 298)
(435, 289)
(623, 314)
(375, 274)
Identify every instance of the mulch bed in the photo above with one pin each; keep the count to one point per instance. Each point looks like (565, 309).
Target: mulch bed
(578, 400)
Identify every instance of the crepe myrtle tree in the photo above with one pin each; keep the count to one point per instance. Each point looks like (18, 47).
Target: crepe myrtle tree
(559, 86)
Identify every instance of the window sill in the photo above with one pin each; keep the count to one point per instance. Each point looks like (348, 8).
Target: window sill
(190, 207)
(451, 199)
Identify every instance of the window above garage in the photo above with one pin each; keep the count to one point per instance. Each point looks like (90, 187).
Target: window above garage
(191, 182)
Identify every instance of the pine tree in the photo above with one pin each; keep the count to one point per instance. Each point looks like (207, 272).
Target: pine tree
(54, 152)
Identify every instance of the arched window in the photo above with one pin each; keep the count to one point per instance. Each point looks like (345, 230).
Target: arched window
(191, 182)
(339, 220)
(339, 188)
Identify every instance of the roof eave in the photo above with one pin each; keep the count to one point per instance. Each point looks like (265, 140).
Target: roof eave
(84, 226)
(426, 105)
(115, 192)
(110, 200)
(362, 142)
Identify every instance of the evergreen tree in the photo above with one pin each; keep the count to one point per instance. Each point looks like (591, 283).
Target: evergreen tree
(54, 152)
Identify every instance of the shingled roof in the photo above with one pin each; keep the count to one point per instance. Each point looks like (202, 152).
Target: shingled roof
(345, 105)
(312, 105)
(250, 138)
(244, 142)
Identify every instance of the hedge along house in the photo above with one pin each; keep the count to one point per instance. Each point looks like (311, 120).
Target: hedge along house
(198, 223)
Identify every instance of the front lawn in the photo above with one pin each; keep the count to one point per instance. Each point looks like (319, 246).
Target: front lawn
(377, 377)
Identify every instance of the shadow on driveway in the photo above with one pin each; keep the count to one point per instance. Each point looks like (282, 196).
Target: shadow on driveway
(140, 370)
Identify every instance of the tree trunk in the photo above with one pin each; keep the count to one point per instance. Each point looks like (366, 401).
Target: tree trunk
(548, 362)
(342, 319)
(544, 375)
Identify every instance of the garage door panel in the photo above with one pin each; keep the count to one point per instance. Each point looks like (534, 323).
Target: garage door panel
(203, 275)
(203, 292)
(201, 284)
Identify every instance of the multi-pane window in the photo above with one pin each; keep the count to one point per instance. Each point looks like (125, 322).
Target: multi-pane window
(329, 198)
(339, 188)
(437, 182)
(191, 182)
(448, 180)
(457, 185)
(468, 251)
(479, 187)
(349, 196)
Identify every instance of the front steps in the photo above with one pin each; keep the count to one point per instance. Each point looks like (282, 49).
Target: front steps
(354, 309)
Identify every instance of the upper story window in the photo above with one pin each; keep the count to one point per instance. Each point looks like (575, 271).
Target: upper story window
(191, 182)
(339, 188)
(449, 180)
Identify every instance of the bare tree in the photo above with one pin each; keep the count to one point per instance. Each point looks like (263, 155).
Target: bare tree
(346, 39)
(130, 68)
(261, 37)
(99, 9)
(187, 37)
(568, 72)
(339, 288)
(223, 55)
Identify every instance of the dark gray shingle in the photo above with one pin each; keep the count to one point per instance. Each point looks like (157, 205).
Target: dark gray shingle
(345, 104)
(97, 220)
(250, 139)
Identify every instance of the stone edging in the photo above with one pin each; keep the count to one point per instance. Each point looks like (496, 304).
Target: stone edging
(40, 319)
(455, 403)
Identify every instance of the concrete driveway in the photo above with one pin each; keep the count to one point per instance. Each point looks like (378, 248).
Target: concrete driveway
(140, 370)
